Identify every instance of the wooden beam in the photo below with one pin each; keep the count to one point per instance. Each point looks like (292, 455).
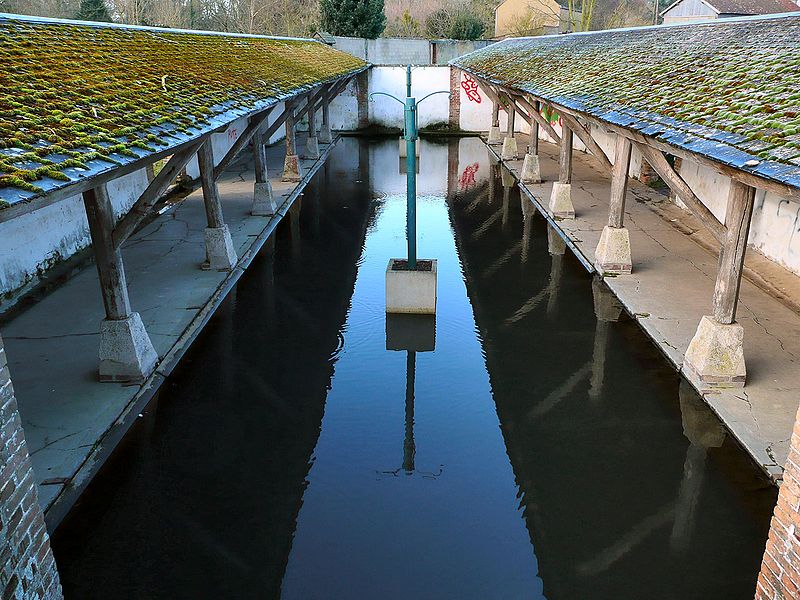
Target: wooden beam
(536, 114)
(211, 199)
(586, 137)
(534, 145)
(252, 127)
(565, 156)
(731, 256)
(619, 183)
(157, 187)
(260, 159)
(108, 259)
(677, 184)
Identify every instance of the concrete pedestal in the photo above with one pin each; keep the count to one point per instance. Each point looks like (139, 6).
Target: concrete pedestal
(509, 151)
(126, 352)
(715, 357)
(561, 201)
(495, 136)
(291, 168)
(325, 135)
(263, 201)
(411, 292)
(531, 172)
(220, 254)
(613, 253)
(404, 148)
(312, 148)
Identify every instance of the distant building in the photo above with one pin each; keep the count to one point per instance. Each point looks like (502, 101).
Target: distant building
(684, 11)
(515, 18)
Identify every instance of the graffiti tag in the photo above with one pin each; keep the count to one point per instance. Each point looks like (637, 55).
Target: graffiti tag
(471, 89)
(467, 179)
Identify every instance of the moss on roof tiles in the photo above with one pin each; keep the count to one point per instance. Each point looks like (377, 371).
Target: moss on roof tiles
(74, 93)
(739, 77)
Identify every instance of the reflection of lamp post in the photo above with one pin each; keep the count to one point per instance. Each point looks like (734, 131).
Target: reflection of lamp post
(409, 448)
(410, 288)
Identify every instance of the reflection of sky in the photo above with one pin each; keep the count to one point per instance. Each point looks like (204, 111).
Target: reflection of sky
(453, 529)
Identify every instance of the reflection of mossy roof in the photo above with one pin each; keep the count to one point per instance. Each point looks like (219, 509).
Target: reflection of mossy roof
(76, 98)
(726, 89)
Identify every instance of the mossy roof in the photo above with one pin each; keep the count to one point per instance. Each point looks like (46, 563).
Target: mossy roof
(727, 89)
(80, 98)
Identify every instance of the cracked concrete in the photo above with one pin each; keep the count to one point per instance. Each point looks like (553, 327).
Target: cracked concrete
(52, 347)
(670, 289)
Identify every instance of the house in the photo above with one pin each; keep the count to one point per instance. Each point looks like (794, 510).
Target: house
(514, 18)
(683, 11)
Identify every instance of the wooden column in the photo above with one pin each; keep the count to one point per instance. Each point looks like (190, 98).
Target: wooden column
(619, 183)
(260, 159)
(731, 257)
(495, 114)
(213, 205)
(325, 135)
(534, 145)
(565, 156)
(107, 259)
(512, 121)
(291, 141)
(312, 122)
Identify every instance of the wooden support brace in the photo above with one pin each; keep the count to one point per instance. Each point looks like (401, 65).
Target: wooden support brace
(536, 114)
(565, 156)
(157, 187)
(211, 199)
(511, 125)
(586, 137)
(731, 257)
(252, 127)
(677, 184)
(108, 258)
(495, 113)
(534, 145)
(619, 183)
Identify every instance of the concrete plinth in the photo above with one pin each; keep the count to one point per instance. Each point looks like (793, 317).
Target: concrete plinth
(509, 151)
(126, 352)
(312, 148)
(263, 201)
(495, 136)
(531, 172)
(411, 292)
(715, 357)
(325, 134)
(561, 201)
(220, 254)
(404, 148)
(613, 253)
(291, 168)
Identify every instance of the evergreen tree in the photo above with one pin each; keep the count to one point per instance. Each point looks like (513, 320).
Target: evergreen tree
(353, 18)
(93, 10)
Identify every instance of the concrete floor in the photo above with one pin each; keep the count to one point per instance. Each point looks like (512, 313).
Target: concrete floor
(71, 421)
(674, 268)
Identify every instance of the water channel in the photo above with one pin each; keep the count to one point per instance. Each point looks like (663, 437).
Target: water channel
(533, 443)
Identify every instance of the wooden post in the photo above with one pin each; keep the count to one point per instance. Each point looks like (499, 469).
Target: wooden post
(291, 141)
(220, 254)
(205, 160)
(108, 260)
(495, 137)
(534, 146)
(495, 114)
(126, 352)
(312, 143)
(325, 134)
(731, 256)
(619, 183)
(509, 151)
(512, 121)
(565, 156)
(263, 200)
(291, 164)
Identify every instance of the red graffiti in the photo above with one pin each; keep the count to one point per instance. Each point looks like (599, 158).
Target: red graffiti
(467, 179)
(471, 89)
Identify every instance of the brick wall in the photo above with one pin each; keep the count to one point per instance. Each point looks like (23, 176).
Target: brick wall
(27, 567)
(780, 570)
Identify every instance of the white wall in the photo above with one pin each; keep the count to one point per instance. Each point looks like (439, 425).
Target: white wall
(392, 80)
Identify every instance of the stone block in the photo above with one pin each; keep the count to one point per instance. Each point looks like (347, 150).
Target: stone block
(291, 168)
(220, 253)
(495, 136)
(312, 148)
(613, 252)
(715, 357)
(531, 171)
(509, 151)
(561, 201)
(325, 135)
(411, 292)
(126, 352)
(264, 204)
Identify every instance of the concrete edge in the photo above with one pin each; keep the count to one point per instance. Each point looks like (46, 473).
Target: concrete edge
(63, 502)
(743, 437)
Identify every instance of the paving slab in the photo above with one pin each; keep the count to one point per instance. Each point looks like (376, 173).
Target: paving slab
(670, 289)
(52, 347)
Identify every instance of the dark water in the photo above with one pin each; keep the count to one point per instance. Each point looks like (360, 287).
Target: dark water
(537, 452)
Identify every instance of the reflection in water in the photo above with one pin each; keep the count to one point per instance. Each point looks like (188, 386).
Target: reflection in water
(547, 449)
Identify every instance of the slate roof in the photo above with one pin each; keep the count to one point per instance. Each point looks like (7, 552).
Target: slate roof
(80, 98)
(752, 7)
(725, 89)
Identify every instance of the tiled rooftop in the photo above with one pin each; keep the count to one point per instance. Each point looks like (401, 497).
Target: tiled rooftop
(78, 98)
(725, 89)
